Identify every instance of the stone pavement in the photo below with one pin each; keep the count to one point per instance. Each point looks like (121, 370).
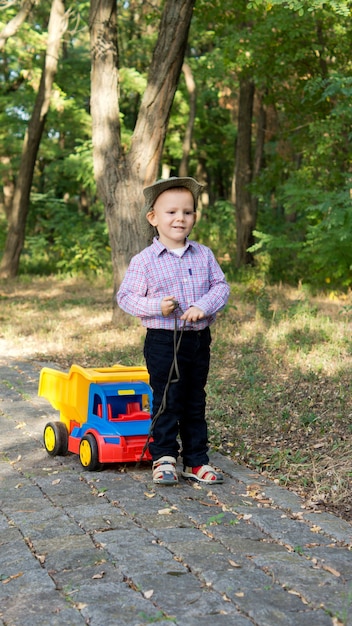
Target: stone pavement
(111, 549)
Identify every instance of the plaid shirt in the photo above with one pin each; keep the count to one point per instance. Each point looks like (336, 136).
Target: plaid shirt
(195, 279)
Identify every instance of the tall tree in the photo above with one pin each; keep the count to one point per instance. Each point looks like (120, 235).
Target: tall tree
(20, 201)
(242, 198)
(121, 174)
(187, 140)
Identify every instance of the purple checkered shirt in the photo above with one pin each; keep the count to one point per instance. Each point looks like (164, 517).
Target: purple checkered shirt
(195, 279)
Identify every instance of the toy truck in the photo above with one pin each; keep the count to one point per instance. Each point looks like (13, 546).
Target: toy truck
(104, 413)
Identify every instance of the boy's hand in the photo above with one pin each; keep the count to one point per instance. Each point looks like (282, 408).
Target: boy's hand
(193, 314)
(168, 305)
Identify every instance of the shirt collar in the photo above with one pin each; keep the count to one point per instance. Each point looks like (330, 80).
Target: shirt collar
(160, 248)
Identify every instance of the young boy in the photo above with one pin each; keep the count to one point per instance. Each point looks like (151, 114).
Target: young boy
(176, 281)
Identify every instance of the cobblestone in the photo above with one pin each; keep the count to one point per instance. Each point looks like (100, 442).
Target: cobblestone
(110, 548)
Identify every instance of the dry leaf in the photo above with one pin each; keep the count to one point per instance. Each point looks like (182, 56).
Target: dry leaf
(20, 425)
(166, 511)
(41, 558)
(97, 576)
(56, 481)
(293, 592)
(239, 594)
(298, 515)
(18, 486)
(7, 580)
(333, 571)
(315, 529)
(148, 594)
(234, 564)
(16, 460)
(80, 605)
(149, 494)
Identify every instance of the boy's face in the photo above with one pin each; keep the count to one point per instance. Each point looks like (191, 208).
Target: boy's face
(174, 216)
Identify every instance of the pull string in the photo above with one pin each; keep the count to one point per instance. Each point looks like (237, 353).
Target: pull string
(170, 381)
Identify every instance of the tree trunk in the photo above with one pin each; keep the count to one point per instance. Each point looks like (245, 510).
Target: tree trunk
(258, 162)
(245, 217)
(121, 176)
(187, 141)
(20, 202)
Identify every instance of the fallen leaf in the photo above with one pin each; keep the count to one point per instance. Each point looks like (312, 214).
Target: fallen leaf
(20, 425)
(149, 494)
(148, 594)
(239, 594)
(315, 529)
(97, 576)
(41, 558)
(16, 460)
(333, 571)
(56, 481)
(7, 580)
(298, 515)
(234, 564)
(166, 511)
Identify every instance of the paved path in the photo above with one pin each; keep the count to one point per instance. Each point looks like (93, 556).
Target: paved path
(111, 549)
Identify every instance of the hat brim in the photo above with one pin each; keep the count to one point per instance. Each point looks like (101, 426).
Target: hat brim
(152, 192)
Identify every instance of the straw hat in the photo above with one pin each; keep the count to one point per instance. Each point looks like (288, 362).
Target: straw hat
(152, 192)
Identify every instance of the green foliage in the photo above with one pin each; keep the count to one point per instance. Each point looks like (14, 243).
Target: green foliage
(297, 53)
(341, 7)
(327, 251)
(308, 239)
(216, 229)
(61, 240)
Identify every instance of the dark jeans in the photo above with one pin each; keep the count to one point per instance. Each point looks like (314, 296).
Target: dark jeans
(185, 406)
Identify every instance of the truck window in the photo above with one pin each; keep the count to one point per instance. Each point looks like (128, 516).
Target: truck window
(97, 406)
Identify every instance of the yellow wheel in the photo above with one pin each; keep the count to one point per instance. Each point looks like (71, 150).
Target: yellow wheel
(55, 438)
(88, 453)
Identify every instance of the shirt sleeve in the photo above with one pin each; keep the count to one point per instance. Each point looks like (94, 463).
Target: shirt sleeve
(132, 294)
(219, 290)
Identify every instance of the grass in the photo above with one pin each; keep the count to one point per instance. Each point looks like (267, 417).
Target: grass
(279, 390)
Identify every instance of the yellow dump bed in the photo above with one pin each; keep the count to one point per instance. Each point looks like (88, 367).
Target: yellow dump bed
(68, 392)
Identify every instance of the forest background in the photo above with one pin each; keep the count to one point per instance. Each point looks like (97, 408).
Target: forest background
(262, 114)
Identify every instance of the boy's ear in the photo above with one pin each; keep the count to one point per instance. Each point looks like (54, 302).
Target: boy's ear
(151, 217)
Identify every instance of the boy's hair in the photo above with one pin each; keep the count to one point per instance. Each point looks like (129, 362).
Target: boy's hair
(152, 192)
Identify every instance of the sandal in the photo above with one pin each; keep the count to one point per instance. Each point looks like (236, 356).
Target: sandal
(203, 474)
(164, 471)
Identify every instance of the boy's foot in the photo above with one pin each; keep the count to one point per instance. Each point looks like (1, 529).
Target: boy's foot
(203, 474)
(164, 471)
